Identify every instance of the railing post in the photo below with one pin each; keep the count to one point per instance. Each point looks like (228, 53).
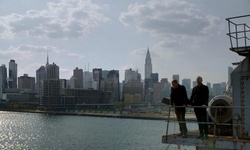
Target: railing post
(215, 122)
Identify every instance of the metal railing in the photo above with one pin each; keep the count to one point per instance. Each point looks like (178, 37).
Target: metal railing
(210, 122)
(239, 34)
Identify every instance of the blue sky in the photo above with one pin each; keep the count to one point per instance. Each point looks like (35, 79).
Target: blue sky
(185, 37)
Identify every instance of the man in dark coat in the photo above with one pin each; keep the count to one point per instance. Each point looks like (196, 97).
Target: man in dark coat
(179, 98)
(199, 98)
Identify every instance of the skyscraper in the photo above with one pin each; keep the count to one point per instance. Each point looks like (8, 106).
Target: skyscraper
(97, 77)
(78, 74)
(26, 83)
(12, 74)
(176, 77)
(3, 79)
(148, 65)
(40, 76)
(52, 71)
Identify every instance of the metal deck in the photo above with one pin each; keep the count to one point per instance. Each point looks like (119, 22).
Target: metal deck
(213, 142)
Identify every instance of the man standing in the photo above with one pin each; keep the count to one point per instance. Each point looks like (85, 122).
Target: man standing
(199, 97)
(179, 98)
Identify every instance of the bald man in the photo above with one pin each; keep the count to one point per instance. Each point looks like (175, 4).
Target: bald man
(199, 97)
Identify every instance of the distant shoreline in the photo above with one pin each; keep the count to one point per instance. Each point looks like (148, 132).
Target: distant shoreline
(148, 116)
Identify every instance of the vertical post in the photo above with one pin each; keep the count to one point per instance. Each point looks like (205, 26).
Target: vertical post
(215, 122)
(168, 123)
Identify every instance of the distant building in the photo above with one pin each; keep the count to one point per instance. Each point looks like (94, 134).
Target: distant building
(52, 71)
(187, 84)
(51, 93)
(176, 77)
(132, 75)
(165, 92)
(148, 86)
(148, 65)
(216, 89)
(3, 79)
(87, 80)
(73, 82)
(157, 88)
(132, 88)
(97, 77)
(111, 84)
(40, 76)
(78, 74)
(12, 74)
(26, 83)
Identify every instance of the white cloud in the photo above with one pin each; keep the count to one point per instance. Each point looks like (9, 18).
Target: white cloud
(62, 20)
(169, 18)
(75, 55)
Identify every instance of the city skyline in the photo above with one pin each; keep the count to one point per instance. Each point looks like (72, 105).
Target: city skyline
(189, 39)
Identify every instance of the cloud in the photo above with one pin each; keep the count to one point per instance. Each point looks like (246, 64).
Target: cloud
(75, 55)
(169, 18)
(25, 51)
(62, 20)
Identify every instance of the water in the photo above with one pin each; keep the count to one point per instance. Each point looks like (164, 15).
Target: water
(34, 131)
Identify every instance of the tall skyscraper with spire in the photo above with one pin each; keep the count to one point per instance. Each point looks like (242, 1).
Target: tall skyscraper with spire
(148, 71)
(148, 65)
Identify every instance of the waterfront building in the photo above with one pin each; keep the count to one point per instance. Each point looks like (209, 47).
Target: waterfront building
(40, 76)
(51, 93)
(97, 76)
(78, 74)
(12, 74)
(73, 97)
(87, 80)
(132, 91)
(3, 79)
(111, 84)
(26, 83)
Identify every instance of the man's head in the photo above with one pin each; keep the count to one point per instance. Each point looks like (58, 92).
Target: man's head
(175, 84)
(199, 80)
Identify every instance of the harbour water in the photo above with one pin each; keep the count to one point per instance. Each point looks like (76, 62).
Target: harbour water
(35, 131)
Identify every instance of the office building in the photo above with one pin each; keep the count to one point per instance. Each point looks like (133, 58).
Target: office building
(26, 83)
(12, 74)
(3, 79)
(78, 74)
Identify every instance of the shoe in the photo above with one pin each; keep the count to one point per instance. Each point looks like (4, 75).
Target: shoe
(200, 136)
(184, 136)
(205, 136)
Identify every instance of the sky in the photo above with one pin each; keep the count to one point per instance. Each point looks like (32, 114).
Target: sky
(185, 37)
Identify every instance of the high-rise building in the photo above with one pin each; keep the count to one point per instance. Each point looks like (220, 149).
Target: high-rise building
(187, 84)
(87, 80)
(112, 84)
(3, 79)
(40, 76)
(49, 71)
(12, 74)
(52, 71)
(97, 77)
(26, 83)
(78, 74)
(148, 65)
(131, 75)
(176, 77)
(148, 87)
